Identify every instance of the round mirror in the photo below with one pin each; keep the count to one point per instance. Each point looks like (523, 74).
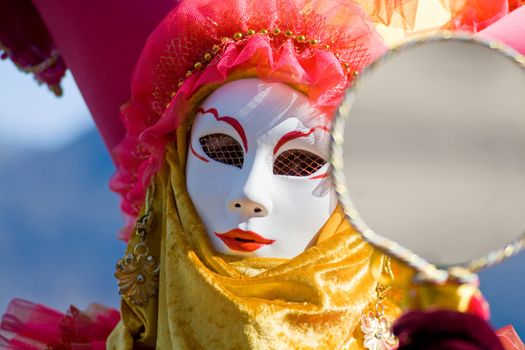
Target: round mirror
(429, 153)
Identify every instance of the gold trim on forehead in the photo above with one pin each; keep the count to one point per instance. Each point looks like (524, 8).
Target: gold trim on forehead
(298, 39)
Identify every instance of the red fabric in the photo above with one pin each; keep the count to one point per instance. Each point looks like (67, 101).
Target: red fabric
(475, 15)
(193, 28)
(510, 339)
(26, 326)
(25, 39)
(479, 306)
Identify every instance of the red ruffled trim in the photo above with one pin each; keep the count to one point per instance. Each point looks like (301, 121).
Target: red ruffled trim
(29, 326)
(25, 40)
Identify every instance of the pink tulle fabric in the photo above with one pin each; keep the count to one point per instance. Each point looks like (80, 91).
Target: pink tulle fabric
(29, 326)
(158, 106)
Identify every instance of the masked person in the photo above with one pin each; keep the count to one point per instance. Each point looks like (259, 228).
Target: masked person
(237, 241)
(231, 106)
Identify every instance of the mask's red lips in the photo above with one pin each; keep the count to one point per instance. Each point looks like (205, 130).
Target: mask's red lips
(243, 241)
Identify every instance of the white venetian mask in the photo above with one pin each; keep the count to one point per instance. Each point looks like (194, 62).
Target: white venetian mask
(257, 170)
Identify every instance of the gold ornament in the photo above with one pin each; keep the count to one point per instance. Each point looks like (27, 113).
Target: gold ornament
(377, 331)
(198, 65)
(137, 272)
(376, 328)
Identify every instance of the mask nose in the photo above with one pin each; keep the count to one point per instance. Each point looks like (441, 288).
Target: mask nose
(247, 207)
(252, 198)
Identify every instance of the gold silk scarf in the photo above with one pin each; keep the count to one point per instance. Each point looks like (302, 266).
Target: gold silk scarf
(207, 300)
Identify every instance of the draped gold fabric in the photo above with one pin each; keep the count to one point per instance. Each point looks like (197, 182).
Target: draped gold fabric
(211, 301)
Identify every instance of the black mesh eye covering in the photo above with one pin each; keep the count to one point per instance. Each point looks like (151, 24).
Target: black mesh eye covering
(223, 149)
(297, 162)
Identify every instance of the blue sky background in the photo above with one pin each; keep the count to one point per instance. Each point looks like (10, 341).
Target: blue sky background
(59, 221)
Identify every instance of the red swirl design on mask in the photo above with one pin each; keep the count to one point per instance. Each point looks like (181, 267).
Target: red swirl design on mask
(230, 120)
(292, 135)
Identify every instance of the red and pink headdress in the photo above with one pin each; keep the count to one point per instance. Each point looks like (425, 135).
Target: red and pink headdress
(316, 46)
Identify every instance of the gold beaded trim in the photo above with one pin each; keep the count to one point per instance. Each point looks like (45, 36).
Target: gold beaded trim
(276, 32)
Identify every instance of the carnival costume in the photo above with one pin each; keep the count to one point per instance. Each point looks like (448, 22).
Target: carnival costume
(178, 292)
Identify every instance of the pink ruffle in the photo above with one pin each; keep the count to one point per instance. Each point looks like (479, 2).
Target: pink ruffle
(29, 326)
(157, 106)
(24, 38)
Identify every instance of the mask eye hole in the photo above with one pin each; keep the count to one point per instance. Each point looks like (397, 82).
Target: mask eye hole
(297, 162)
(223, 149)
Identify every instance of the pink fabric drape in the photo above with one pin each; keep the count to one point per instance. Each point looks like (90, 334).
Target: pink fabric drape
(100, 42)
(29, 326)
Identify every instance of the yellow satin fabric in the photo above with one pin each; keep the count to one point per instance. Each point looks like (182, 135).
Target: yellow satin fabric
(211, 301)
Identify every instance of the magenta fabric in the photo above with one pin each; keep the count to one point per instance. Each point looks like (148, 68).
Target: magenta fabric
(25, 40)
(26, 326)
(100, 42)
